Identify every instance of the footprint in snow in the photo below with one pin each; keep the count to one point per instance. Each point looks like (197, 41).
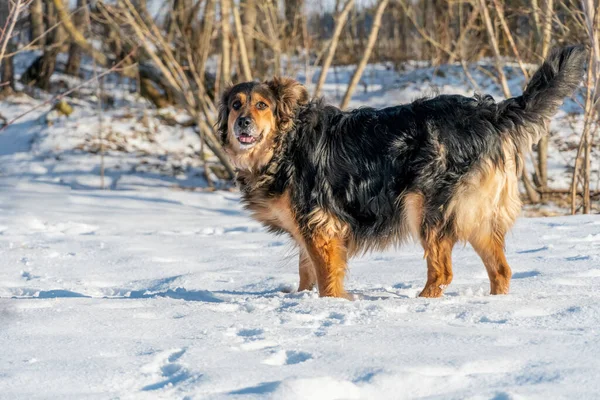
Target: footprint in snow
(577, 258)
(334, 318)
(533, 250)
(168, 371)
(252, 339)
(250, 333)
(288, 357)
(525, 274)
(487, 320)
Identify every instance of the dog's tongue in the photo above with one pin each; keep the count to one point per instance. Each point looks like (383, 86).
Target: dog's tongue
(246, 138)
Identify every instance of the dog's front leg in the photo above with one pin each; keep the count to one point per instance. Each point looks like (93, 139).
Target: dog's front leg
(308, 277)
(329, 256)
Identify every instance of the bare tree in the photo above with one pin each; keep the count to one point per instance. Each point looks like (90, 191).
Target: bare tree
(242, 42)
(543, 143)
(225, 43)
(268, 34)
(339, 25)
(41, 70)
(75, 50)
(547, 32)
(293, 11)
(495, 48)
(249, 13)
(8, 17)
(206, 32)
(7, 78)
(36, 21)
(183, 79)
(363, 62)
(582, 171)
(509, 36)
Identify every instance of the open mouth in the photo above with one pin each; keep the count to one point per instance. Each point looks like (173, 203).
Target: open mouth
(246, 138)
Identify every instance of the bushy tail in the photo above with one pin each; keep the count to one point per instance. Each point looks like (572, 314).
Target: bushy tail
(557, 78)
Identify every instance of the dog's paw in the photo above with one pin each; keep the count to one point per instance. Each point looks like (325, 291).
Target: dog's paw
(433, 291)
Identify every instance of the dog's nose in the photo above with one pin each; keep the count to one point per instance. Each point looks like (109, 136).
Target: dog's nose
(244, 122)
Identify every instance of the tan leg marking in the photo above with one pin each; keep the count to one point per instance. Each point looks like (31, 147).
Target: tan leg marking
(438, 252)
(491, 251)
(329, 257)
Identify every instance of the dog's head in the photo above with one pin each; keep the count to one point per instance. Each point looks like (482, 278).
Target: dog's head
(251, 114)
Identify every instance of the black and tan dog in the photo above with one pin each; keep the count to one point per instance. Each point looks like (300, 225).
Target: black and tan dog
(440, 170)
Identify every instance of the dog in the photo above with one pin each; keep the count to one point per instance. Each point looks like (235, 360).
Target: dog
(441, 170)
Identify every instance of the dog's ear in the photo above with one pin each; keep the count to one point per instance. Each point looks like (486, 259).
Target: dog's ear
(289, 94)
(223, 115)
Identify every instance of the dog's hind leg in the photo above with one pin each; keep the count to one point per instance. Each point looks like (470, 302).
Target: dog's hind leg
(329, 256)
(490, 248)
(438, 252)
(308, 277)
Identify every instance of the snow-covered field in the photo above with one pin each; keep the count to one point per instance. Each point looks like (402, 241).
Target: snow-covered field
(150, 291)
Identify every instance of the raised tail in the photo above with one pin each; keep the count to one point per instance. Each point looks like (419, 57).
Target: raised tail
(557, 78)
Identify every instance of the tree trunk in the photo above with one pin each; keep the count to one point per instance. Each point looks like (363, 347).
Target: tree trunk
(272, 20)
(6, 61)
(363, 62)
(339, 25)
(293, 10)
(495, 49)
(75, 50)
(7, 80)
(76, 35)
(548, 16)
(36, 22)
(535, 9)
(242, 43)
(149, 91)
(509, 36)
(427, 50)
(225, 44)
(204, 46)
(249, 14)
(543, 143)
(41, 70)
(57, 36)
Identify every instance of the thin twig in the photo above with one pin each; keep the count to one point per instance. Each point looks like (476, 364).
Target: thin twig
(13, 16)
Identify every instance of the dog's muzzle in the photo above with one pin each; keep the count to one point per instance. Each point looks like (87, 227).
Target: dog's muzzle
(245, 132)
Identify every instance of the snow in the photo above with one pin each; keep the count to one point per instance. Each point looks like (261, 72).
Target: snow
(165, 294)
(151, 290)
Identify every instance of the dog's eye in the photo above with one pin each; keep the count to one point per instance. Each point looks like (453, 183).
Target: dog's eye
(236, 105)
(261, 105)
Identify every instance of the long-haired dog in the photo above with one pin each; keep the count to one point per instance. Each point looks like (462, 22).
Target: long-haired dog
(441, 170)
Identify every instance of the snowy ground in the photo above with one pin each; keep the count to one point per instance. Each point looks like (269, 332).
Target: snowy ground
(147, 291)
(162, 293)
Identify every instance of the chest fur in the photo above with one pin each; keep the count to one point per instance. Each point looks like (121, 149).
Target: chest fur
(274, 212)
